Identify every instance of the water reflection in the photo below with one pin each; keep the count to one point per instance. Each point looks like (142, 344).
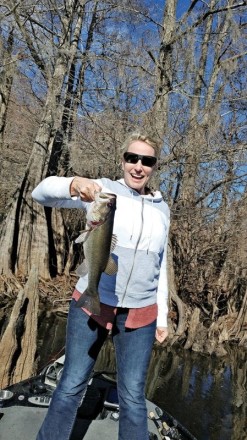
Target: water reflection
(208, 395)
(51, 337)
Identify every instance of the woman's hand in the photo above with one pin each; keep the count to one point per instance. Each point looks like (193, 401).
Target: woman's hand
(161, 334)
(84, 188)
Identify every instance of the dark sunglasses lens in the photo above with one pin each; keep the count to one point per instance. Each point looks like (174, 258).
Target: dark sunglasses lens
(147, 161)
(131, 157)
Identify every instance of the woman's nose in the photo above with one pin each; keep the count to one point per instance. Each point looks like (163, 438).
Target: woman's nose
(138, 165)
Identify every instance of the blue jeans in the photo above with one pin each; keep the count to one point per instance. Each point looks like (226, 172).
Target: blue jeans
(83, 342)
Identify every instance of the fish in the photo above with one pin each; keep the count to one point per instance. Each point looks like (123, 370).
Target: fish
(98, 244)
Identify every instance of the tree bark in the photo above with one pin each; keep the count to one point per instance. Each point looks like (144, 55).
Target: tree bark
(18, 344)
(194, 321)
(6, 81)
(181, 321)
(240, 325)
(164, 67)
(8, 343)
(25, 366)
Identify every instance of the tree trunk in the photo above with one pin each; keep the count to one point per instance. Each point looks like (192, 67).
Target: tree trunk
(6, 81)
(24, 235)
(164, 70)
(25, 366)
(27, 236)
(181, 320)
(194, 321)
(239, 328)
(8, 343)
(18, 344)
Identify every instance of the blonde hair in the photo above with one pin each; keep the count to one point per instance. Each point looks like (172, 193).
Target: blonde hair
(144, 137)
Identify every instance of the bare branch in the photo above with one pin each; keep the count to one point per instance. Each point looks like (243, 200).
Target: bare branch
(217, 185)
(10, 11)
(205, 15)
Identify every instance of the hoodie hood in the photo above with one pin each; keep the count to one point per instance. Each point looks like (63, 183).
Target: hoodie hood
(155, 196)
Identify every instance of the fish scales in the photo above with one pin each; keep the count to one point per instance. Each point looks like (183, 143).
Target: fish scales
(98, 244)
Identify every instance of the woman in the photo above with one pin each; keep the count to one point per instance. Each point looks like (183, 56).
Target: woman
(133, 302)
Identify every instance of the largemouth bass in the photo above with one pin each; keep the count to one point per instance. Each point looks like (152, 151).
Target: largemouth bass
(98, 243)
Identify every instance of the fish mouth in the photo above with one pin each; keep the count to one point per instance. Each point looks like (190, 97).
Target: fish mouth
(107, 195)
(95, 223)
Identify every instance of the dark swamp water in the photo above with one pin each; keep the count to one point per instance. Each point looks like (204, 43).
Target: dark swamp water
(207, 394)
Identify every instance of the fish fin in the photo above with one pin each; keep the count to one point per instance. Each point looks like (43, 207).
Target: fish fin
(113, 242)
(83, 236)
(82, 269)
(111, 267)
(89, 302)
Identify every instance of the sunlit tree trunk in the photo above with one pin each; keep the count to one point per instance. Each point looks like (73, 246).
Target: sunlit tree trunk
(164, 70)
(6, 80)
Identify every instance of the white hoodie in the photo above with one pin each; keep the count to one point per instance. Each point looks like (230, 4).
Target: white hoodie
(141, 226)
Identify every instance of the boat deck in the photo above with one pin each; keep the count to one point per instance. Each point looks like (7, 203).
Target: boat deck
(21, 422)
(23, 407)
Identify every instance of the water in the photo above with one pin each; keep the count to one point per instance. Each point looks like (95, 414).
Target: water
(208, 395)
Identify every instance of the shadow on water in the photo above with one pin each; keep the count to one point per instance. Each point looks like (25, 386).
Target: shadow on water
(208, 395)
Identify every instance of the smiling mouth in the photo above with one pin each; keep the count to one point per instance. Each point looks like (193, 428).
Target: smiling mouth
(137, 177)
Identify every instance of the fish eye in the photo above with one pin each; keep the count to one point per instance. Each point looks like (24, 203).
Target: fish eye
(109, 205)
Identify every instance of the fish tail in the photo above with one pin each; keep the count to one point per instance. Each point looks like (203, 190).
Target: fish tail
(89, 302)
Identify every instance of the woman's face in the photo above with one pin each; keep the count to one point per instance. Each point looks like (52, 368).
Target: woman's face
(136, 175)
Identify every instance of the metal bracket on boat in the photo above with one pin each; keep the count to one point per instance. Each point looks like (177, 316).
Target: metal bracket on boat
(165, 431)
(40, 400)
(5, 395)
(114, 416)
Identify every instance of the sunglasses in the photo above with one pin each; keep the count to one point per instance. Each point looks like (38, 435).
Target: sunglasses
(147, 161)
